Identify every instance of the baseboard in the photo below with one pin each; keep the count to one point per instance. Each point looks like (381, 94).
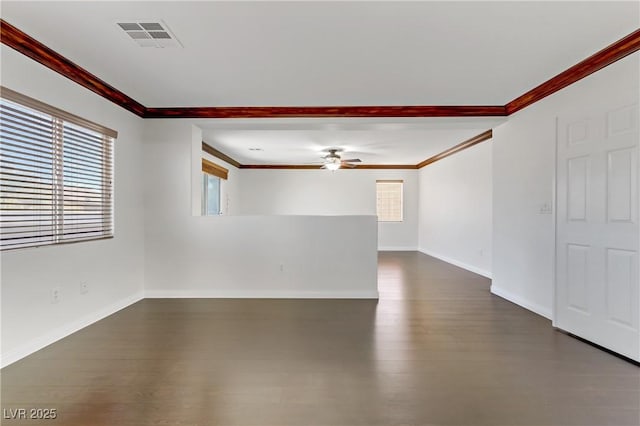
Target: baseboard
(533, 307)
(457, 263)
(268, 294)
(61, 332)
(384, 248)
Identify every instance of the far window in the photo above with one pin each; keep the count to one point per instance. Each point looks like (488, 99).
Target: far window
(389, 200)
(212, 176)
(210, 195)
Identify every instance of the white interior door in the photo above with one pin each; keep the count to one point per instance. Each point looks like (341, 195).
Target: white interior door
(597, 232)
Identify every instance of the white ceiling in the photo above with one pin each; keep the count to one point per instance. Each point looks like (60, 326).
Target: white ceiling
(374, 141)
(330, 53)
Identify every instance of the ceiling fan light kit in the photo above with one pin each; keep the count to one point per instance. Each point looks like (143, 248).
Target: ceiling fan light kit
(333, 166)
(333, 161)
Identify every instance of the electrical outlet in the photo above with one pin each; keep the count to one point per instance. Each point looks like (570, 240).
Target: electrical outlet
(546, 208)
(84, 287)
(55, 295)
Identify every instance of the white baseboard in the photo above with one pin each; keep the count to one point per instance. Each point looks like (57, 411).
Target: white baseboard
(533, 307)
(267, 294)
(61, 332)
(397, 248)
(457, 263)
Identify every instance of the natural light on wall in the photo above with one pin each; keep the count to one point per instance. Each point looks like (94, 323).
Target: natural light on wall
(389, 200)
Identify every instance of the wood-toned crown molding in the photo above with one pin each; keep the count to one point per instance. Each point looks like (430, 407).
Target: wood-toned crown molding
(461, 146)
(317, 167)
(281, 166)
(607, 56)
(28, 46)
(328, 111)
(23, 43)
(224, 157)
(387, 166)
(221, 155)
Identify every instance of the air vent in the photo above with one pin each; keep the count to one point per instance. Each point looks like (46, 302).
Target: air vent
(146, 33)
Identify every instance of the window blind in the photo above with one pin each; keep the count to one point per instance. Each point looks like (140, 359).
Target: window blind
(389, 200)
(56, 176)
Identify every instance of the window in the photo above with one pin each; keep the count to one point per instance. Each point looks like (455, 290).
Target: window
(212, 176)
(210, 195)
(56, 175)
(389, 200)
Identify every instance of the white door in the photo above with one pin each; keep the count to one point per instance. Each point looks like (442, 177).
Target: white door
(597, 232)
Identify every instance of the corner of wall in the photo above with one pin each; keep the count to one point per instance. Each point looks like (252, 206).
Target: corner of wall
(520, 301)
(58, 333)
(468, 267)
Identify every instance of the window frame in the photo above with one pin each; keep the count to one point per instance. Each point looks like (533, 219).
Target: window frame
(390, 181)
(211, 169)
(205, 194)
(88, 157)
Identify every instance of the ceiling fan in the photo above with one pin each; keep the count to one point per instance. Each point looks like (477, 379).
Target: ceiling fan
(333, 161)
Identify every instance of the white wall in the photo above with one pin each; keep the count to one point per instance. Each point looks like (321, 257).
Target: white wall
(523, 176)
(455, 209)
(242, 256)
(264, 257)
(112, 268)
(321, 192)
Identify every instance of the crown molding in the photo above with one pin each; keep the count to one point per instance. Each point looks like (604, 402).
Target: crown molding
(607, 56)
(317, 167)
(28, 46)
(387, 166)
(460, 147)
(224, 157)
(221, 155)
(281, 166)
(328, 111)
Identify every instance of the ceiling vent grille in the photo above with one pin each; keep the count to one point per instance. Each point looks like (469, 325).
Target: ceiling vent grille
(146, 33)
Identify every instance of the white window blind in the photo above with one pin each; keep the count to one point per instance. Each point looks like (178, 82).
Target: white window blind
(389, 200)
(56, 175)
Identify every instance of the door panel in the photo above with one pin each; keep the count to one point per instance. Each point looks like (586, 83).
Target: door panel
(577, 132)
(597, 234)
(578, 177)
(577, 276)
(623, 120)
(621, 265)
(621, 180)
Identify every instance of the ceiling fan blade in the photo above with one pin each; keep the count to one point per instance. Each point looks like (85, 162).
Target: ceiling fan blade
(353, 160)
(324, 167)
(344, 164)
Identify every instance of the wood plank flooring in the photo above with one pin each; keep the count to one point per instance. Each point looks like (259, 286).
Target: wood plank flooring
(436, 349)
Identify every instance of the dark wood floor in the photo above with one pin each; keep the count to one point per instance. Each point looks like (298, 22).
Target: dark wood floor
(436, 349)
